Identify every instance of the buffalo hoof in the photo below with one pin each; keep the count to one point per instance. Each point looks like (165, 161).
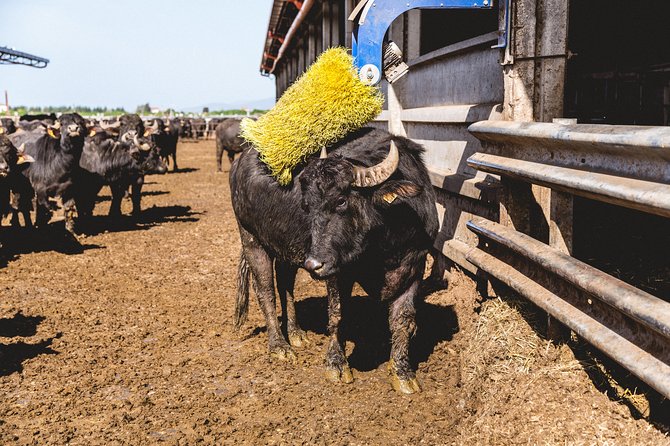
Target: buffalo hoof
(283, 353)
(402, 385)
(298, 339)
(340, 375)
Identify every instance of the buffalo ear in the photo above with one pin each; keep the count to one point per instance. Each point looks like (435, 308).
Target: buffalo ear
(25, 158)
(53, 132)
(391, 191)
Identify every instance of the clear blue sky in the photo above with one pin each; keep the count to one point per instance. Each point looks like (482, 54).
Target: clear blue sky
(170, 53)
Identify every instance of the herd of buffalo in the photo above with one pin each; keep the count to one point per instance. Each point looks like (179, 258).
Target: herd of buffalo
(362, 211)
(44, 158)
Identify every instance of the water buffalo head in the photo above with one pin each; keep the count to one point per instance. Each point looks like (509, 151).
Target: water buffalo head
(11, 157)
(71, 129)
(345, 205)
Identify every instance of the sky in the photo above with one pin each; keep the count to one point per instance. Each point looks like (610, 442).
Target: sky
(169, 53)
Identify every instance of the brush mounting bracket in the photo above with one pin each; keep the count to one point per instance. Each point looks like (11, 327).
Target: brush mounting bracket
(371, 20)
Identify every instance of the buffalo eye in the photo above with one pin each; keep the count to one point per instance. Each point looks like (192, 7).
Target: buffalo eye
(304, 206)
(341, 203)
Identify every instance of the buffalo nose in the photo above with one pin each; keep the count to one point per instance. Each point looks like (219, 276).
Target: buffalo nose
(311, 264)
(73, 129)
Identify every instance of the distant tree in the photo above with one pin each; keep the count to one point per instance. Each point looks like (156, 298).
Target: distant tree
(205, 110)
(143, 109)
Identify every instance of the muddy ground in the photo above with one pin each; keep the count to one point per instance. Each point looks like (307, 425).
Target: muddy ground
(128, 341)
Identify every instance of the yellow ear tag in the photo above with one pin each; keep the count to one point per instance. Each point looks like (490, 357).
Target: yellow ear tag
(2, 130)
(93, 132)
(390, 197)
(147, 133)
(52, 134)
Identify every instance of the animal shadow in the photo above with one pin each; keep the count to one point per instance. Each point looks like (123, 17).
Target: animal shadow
(168, 214)
(149, 218)
(365, 323)
(53, 237)
(19, 325)
(12, 356)
(185, 170)
(154, 193)
(150, 193)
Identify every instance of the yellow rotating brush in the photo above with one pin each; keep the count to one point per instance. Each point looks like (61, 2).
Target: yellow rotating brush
(321, 107)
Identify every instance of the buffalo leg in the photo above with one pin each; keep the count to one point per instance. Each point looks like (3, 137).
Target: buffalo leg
(402, 323)
(337, 368)
(118, 191)
(20, 205)
(136, 196)
(263, 281)
(285, 284)
(43, 212)
(219, 156)
(174, 160)
(69, 212)
(231, 157)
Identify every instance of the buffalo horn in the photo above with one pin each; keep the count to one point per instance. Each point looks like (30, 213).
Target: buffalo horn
(374, 175)
(324, 153)
(104, 126)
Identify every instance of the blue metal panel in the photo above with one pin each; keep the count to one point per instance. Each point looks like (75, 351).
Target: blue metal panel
(376, 17)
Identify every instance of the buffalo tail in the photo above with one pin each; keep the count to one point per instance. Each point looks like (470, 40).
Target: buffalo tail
(242, 301)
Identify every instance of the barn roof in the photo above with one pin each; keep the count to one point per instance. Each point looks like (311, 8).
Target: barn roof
(282, 16)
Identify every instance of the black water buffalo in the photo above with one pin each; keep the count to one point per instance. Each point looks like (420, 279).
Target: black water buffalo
(31, 126)
(12, 162)
(7, 126)
(185, 128)
(228, 139)
(344, 223)
(130, 122)
(199, 127)
(56, 151)
(119, 164)
(165, 137)
(49, 119)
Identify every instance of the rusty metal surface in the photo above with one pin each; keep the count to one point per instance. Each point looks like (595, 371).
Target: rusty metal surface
(640, 362)
(646, 196)
(641, 306)
(628, 151)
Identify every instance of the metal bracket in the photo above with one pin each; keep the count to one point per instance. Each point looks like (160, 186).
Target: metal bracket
(373, 17)
(503, 38)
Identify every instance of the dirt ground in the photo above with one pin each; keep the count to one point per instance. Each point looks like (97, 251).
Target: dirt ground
(129, 341)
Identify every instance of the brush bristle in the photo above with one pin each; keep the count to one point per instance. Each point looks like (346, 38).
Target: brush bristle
(325, 104)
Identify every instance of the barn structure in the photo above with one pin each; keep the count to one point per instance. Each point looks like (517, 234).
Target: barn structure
(545, 124)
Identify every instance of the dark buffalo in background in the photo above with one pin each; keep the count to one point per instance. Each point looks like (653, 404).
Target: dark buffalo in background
(344, 223)
(12, 162)
(165, 137)
(7, 126)
(185, 128)
(199, 126)
(31, 126)
(211, 126)
(228, 139)
(56, 151)
(119, 164)
(49, 119)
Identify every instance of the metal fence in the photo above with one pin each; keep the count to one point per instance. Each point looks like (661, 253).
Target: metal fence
(542, 167)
